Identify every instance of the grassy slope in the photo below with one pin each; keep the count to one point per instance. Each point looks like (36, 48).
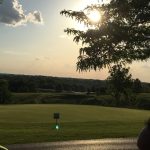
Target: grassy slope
(34, 123)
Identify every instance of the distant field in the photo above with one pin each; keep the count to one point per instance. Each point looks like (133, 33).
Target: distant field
(34, 123)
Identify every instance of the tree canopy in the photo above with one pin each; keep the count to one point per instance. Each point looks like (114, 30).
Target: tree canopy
(121, 36)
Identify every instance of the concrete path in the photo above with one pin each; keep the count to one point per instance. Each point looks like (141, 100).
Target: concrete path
(102, 144)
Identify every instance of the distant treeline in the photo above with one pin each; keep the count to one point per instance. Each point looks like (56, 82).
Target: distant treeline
(28, 83)
(25, 89)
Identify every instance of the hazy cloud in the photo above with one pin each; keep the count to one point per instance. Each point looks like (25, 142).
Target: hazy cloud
(146, 66)
(64, 37)
(42, 58)
(12, 14)
(47, 58)
(37, 59)
(16, 53)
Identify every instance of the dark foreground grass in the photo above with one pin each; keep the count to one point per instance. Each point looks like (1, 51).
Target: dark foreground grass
(34, 123)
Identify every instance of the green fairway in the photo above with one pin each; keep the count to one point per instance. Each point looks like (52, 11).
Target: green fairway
(35, 123)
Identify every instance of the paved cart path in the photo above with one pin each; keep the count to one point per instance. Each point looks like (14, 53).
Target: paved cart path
(102, 144)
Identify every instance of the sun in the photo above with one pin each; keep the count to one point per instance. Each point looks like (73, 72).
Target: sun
(94, 16)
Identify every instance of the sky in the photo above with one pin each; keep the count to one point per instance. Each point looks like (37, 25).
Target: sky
(33, 42)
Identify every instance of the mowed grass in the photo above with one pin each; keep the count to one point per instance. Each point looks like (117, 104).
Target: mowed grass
(35, 123)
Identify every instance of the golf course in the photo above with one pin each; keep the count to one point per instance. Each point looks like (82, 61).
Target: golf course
(34, 123)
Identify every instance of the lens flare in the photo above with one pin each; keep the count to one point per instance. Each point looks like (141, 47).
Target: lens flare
(94, 16)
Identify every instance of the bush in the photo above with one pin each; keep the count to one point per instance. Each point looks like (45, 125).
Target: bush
(4, 92)
(143, 103)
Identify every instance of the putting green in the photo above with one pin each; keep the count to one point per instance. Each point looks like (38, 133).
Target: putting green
(35, 123)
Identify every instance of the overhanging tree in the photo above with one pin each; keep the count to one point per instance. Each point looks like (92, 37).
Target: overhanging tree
(120, 37)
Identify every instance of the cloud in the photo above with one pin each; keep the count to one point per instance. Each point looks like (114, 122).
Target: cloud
(35, 17)
(64, 37)
(12, 14)
(11, 52)
(146, 66)
(37, 59)
(42, 58)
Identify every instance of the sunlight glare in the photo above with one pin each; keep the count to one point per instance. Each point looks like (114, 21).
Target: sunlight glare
(94, 16)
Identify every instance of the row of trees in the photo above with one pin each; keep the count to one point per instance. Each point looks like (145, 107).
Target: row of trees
(117, 84)
(25, 83)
